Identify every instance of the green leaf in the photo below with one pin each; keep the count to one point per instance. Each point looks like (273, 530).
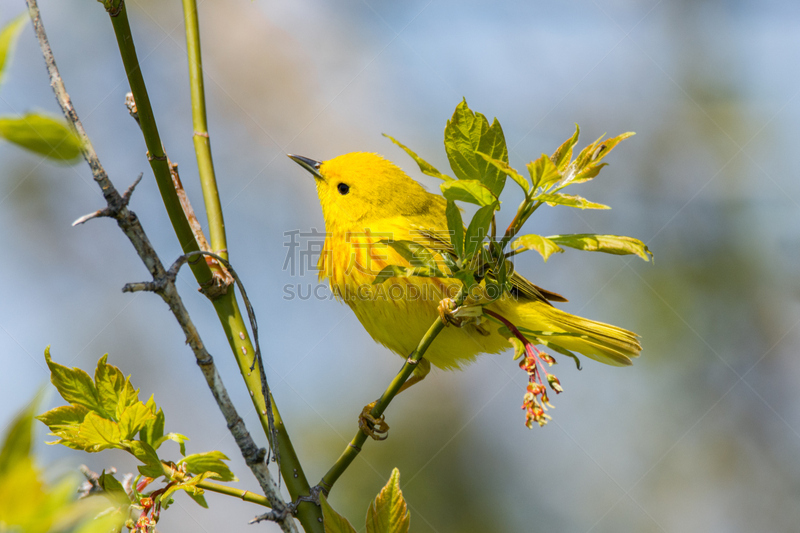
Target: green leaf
(333, 521)
(543, 172)
(455, 225)
(65, 415)
(74, 385)
(128, 396)
(477, 230)
(199, 499)
(146, 454)
(8, 39)
(563, 154)
(610, 244)
(519, 347)
(416, 254)
(587, 165)
(470, 191)
(109, 382)
(97, 433)
(595, 152)
(153, 430)
(424, 166)
(44, 135)
(18, 442)
(133, 419)
(543, 245)
(467, 277)
(176, 437)
(504, 167)
(398, 271)
(190, 486)
(389, 513)
(111, 485)
(569, 200)
(209, 462)
(467, 133)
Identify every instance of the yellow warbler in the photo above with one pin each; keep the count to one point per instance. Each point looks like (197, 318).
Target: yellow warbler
(366, 201)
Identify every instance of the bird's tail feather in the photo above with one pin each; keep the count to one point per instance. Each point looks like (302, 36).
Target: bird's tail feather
(602, 342)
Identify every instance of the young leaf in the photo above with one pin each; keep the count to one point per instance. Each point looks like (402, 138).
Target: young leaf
(74, 385)
(110, 382)
(519, 347)
(416, 254)
(111, 485)
(333, 521)
(188, 485)
(595, 152)
(199, 499)
(455, 225)
(17, 444)
(587, 165)
(424, 166)
(133, 419)
(97, 433)
(153, 430)
(504, 167)
(543, 245)
(146, 454)
(563, 154)
(175, 437)
(467, 133)
(471, 191)
(44, 135)
(63, 416)
(569, 200)
(606, 146)
(477, 229)
(389, 513)
(610, 244)
(467, 278)
(391, 271)
(543, 172)
(589, 173)
(397, 271)
(209, 462)
(8, 39)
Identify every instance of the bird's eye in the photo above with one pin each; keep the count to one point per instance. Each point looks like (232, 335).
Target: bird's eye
(343, 188)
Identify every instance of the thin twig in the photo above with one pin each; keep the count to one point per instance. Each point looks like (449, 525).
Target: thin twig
(129, 223)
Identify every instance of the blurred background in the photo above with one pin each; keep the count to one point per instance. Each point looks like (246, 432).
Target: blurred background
(701, 434)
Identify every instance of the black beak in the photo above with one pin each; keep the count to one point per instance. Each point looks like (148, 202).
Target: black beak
(308, 164)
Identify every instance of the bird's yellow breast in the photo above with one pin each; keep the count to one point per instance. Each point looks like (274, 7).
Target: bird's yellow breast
(398, 312)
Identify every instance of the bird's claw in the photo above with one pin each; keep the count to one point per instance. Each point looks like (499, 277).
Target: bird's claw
(446, 308)
(377, 428)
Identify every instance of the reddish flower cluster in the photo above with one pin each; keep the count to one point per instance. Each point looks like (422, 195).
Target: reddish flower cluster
(535, 401)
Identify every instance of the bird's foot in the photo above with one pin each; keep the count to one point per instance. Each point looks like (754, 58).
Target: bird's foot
(446, 309)
(462, 316)
(377, 428)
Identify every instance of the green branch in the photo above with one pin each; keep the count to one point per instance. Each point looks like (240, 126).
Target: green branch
(202, 143)
(173, 473)
(155, 151)
(354, 447)
(225, 305)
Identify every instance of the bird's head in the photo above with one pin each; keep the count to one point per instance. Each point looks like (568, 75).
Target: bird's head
(360, 188)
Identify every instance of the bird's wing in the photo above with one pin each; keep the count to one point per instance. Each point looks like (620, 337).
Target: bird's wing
(439, 241)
